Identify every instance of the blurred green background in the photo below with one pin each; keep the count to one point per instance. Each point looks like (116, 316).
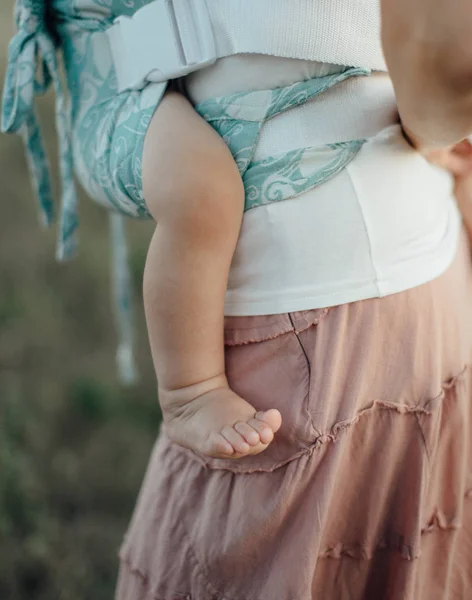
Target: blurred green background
(73, 442)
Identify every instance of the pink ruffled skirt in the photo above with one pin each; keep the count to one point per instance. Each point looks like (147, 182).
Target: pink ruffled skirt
(366, 493)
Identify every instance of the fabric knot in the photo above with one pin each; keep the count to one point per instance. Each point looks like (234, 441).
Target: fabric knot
(32, 68)
(30, 13)
(32, 46)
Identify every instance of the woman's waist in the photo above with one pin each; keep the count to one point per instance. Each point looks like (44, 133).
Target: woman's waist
(376, 210)
(387, 205)
(336, 244)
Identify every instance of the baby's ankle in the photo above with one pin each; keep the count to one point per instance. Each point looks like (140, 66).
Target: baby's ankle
(174, 400)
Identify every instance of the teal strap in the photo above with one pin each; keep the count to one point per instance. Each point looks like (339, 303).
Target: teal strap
(299, 93)
(122, 300)
(33, 50)
(296, 172)
(239, 119)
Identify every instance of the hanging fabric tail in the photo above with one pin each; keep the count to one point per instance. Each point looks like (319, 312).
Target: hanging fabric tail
(122, 300)
(68, 218)
(32, 67)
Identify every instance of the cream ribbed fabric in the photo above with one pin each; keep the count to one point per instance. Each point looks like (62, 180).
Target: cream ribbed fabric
(144, 48)
(344, 32)
(388, 222)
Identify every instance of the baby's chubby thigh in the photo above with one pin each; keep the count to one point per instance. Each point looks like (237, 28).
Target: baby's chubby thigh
(189, 175)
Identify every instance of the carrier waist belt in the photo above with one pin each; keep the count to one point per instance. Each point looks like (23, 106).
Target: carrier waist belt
(167, 39)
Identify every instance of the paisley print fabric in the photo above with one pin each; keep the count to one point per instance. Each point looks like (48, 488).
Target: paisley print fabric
(239, 119)
(109, 128)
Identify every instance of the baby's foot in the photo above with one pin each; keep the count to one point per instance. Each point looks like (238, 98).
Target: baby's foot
(218, 422)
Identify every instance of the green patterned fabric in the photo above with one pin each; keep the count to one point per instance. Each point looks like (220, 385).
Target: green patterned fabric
(33, 50)
(101, 133)
(239, 119)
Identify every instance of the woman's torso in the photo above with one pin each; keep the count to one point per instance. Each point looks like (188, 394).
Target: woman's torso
(387, 222)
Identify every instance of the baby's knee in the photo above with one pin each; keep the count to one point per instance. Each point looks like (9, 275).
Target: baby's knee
(189, 174)
(206, 212)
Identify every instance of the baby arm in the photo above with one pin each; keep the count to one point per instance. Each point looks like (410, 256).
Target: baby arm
(195, 194)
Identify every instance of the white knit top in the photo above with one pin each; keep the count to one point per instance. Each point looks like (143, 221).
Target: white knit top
(343, 32)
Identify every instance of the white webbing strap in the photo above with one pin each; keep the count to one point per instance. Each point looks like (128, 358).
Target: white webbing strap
(163, 40)
(345, 32)
(167, 39)
(356, 109)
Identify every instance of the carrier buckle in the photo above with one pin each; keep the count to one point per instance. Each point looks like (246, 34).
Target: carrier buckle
(164, 40)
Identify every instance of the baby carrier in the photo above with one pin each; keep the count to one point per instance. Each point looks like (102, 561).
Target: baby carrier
(144, 45)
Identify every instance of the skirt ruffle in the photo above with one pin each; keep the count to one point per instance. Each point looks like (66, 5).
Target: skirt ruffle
(366, 492)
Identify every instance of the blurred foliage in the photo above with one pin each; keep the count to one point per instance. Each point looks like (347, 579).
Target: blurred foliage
(73, 442)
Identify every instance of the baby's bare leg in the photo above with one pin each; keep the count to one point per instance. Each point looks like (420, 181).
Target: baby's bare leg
(194, 191)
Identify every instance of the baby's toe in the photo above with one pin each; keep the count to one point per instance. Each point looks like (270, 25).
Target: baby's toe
(266, 434)
(271, 417)
(218, 445)
(236, 440)
(249, 433)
